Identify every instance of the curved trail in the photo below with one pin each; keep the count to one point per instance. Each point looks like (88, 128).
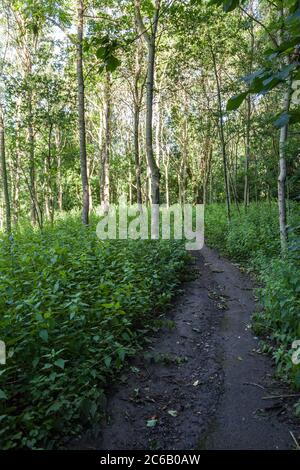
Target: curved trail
(201, 383)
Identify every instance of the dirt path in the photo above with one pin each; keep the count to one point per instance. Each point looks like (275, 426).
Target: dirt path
(201, 383)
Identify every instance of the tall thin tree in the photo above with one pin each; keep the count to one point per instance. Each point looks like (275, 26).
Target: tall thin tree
(4, 172)
(81, 113)
(150, 40)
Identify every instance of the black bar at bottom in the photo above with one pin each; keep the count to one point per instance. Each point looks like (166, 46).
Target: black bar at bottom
(134, 459)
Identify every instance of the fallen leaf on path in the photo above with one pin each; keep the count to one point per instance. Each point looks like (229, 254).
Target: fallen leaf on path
(151, 423)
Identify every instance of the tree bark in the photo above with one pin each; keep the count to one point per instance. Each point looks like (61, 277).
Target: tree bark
(58, 145)
(248, 125)
(107, 143)
(150, 40)
(282, 176)
(221, 132)
(4, 173)
(247, 153)
(137, 98)
(81, 115)
(31, 144)
(282, 157)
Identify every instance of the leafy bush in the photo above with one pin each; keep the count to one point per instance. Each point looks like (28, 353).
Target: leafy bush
(253, 237)
(251, 233)
(73, 308)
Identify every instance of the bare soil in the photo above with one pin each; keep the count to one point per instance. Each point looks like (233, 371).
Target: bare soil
(203, 383)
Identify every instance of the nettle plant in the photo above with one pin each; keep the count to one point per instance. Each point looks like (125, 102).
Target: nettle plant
(73, 309)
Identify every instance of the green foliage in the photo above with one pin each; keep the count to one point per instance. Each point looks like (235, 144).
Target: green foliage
(73, 308)
(228, 5)
(235, 102)
(252, 237)
(282, 60)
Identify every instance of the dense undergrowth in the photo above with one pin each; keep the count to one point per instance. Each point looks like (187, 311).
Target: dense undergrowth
(252, 238)
(73, 308)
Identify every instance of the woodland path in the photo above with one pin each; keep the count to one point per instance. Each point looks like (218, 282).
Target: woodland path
(206, 371)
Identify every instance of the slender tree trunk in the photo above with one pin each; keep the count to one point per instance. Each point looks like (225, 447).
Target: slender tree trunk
(137, 154)
(46, 193)
(222, 137)
(155, 176)
(150, 41)
(100, 149)
(137, 99)
(81, 114)
(58, 145)
(107, 143)
(49, 188)
(248, 121)
(4, 173)
(34, 208)
(16, 188)
(282, 159)
(158, 129)
(16, 167)
(185, 150)
(207, 174)
(167, 185)
(282, 176)
(247, 153)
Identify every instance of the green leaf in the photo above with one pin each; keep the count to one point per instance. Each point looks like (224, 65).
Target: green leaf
(3, 395)
(101, 52)
(282, 120)
(230, 5)
(292, 117)
(60, 363)
(107, 361)
(297, 379)
(236, 101)
(151, 423)
(44, 335)
(112, 63)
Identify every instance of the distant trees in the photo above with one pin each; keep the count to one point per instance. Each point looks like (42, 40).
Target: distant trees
(145, 97)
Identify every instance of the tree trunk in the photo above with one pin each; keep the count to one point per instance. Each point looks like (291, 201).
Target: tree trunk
(207, 173)
(248, 121)
(282, 153)
(107, 143)
(282, 176)
(58, 145)
(137, 154)
(185, 151)
(221, 132)
(166, 159)
(137, 99)
(34, 208)
(4, 174)
(155, 176)
(81, 115)
(247, 153)
(49, 186)
(150, 41)
(16, 168)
